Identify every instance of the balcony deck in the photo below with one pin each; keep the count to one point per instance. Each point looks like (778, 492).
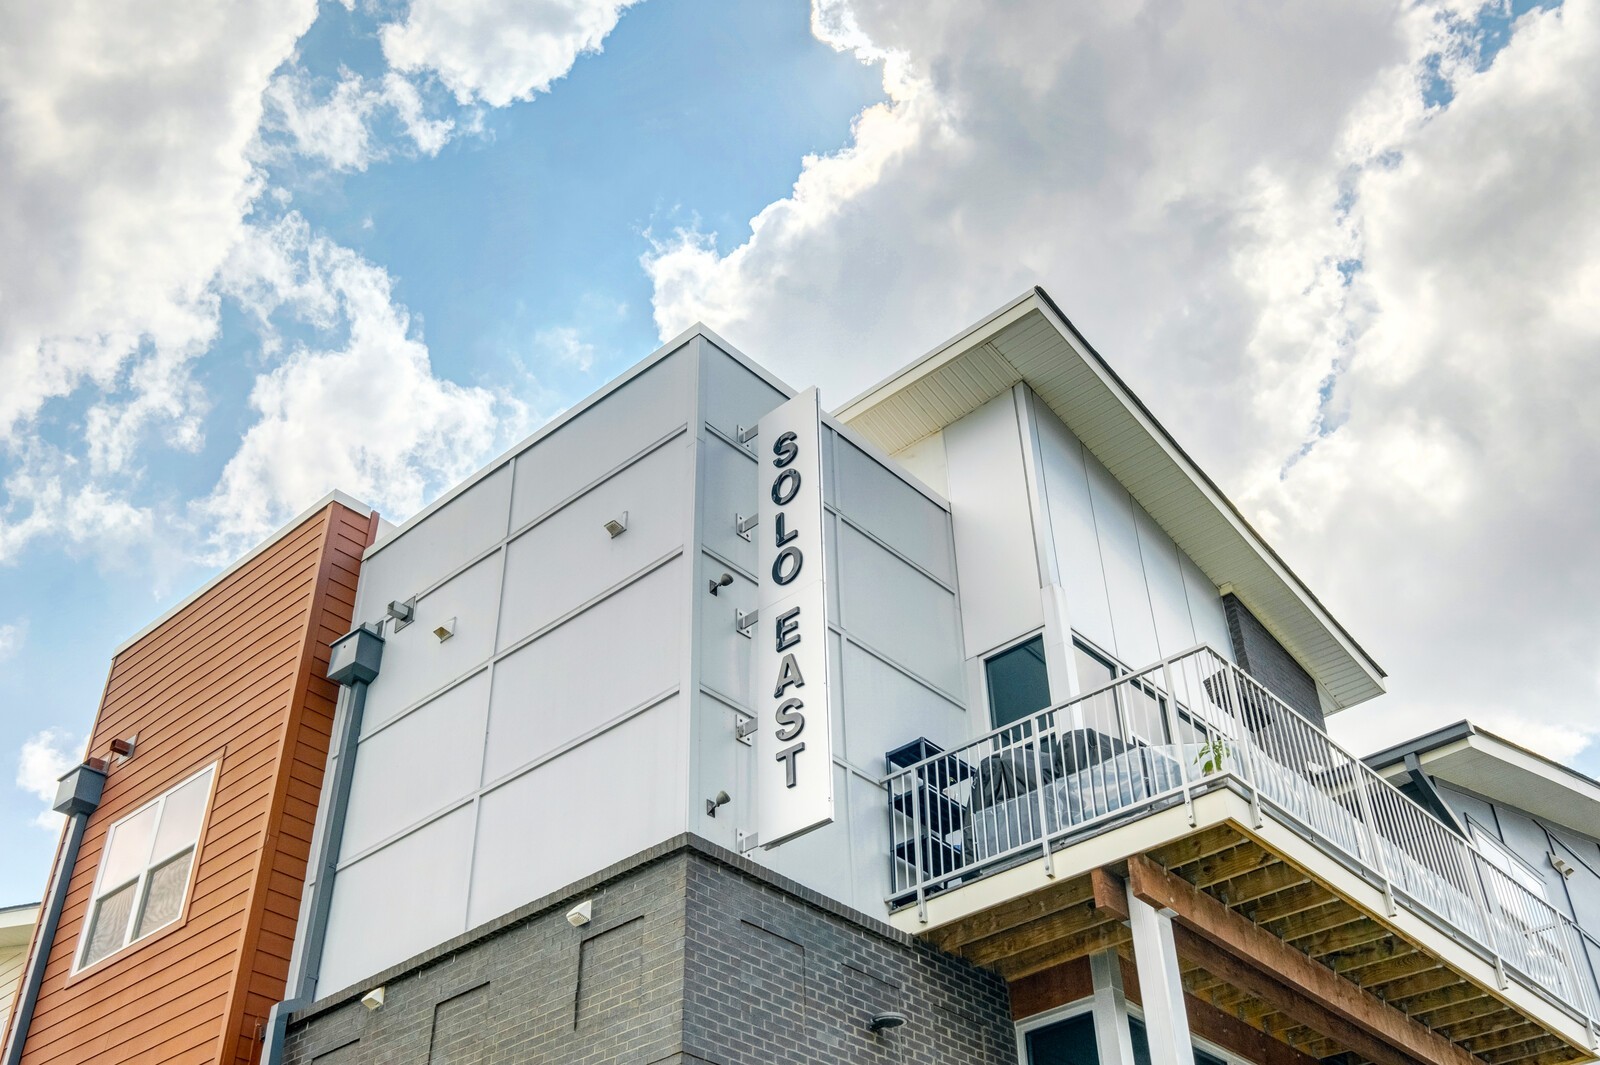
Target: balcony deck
(1287, 837)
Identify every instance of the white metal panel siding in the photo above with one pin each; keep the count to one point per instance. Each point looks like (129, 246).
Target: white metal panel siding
(607, 661)
(601, 439)
(883, 504)
(893, 608)
(1126, 586)
(568, 559)
(1205, 608)
(398, 901)
(595, 805)
(1077, 544)
(926, 461)
(416, 663)
(437, 546)
(993, 527)
(420, 764)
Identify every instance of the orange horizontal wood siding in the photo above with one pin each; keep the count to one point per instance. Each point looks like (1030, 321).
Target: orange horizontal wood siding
(236, 678)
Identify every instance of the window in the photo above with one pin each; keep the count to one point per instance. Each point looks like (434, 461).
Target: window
(1505, 860)
(144, 870)
(1139, 701)
(1019, 684)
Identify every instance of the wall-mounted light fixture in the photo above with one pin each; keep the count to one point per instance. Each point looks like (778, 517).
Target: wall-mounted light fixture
(1561, 865)
(722, 799)
(123, 748)
(445, 630)
(618, 525)
(721, 582)
(883, 1021)
(373, 999)
(581, 914)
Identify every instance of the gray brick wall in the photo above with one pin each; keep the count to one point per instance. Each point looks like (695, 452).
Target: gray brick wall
(1264, 658)
(694, 955)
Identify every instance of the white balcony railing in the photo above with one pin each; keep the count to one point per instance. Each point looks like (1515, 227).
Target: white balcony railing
(1189, 724)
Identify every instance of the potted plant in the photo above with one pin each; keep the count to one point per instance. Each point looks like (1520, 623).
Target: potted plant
(1211, 755)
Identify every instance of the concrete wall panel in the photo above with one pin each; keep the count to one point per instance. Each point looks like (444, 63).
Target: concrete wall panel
(436, 546)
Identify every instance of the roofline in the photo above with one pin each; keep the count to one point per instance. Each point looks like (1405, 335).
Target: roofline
(335, 496)
(1455, 733)
(890, 385)
(666, 349)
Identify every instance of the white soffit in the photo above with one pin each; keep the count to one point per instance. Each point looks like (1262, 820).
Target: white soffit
(16, 924)
(1031, 341)
(1497, 769)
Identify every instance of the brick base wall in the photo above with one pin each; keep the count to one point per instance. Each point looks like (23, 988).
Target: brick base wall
(693, 955)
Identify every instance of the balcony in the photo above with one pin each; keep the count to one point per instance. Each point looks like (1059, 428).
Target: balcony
(1195, 764)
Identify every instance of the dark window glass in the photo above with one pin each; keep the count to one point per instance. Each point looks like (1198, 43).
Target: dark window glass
(1018, 683)
(1141, 1047)
(1071, 1042)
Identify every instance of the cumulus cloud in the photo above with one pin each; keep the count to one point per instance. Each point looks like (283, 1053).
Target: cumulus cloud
(11, 637)
(45, 756)
(365, 415)
(1346, 256)
(495, 52)
(123, 178)
(337, 129)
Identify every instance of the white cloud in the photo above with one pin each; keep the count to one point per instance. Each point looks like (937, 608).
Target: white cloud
(366, 416)
(494, 51)
(45, 756)
(11, 637)
(567, 346)
(338, 129)
(1245, 211)
(123, 178)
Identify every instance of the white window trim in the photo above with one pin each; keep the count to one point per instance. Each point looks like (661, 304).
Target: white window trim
(1133, 1012)
(141, 880)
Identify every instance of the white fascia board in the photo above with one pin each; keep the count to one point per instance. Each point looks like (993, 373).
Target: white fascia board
(335, 496)
(1497, 769)
(1358, 663)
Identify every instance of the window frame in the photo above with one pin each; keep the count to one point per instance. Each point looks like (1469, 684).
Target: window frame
(1530, 875)
(140, 881)
(1003, 649)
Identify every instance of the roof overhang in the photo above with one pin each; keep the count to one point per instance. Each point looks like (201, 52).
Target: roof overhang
(1030, 341)
(1481, 762)
(16, 924)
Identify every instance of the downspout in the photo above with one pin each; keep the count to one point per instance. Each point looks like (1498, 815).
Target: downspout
(77, 796)
(353, 663)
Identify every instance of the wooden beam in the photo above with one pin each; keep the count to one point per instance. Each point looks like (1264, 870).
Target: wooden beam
(1425, 975)
(1288, 902)
(1510, 1037)
(1065, 922)
(1202, 844)
(1236, 862)
(1052, 987)
(1487, 1024)
(1211, 1024)
(1110, 893)
(1101, 937)
(1263, 883)
(1524, 1049)
(1331, 914)
(1010, 914)
(1356, 933)
(1290, 980)
(1553, 1056)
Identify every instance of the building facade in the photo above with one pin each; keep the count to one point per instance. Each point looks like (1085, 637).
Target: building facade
(170, 918)
(16, 930)
(969, 723)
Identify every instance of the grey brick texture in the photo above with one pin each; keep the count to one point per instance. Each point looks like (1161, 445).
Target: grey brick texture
(694, 955)
(1264, 658)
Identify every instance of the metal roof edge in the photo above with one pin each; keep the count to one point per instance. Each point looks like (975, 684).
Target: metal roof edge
(349, 502)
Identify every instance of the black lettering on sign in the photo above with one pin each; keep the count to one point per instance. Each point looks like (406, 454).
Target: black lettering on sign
(787, 757)
(791, 722)
(786, 487)
(788, 628)
(786, 567)
(788, 676)
(786, 449)
(781, 533)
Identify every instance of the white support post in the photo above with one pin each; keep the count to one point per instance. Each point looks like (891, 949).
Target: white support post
(1160, 983)
(1110, 1010)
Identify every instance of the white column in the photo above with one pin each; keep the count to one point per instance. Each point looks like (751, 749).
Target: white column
(1110, 1010)
(1160, 984)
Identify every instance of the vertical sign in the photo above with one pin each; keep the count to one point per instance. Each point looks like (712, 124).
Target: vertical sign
(794, 752)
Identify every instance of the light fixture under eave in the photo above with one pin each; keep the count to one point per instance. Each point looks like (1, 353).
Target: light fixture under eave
(883, 1021)
(618, 525)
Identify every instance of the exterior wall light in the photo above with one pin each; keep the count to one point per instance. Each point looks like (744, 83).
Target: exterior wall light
(446, 630)
(721, 583)
(617, 526)
(373, 999)
(123, 748)
(581, 914)
(722, 799)
(884, 1021)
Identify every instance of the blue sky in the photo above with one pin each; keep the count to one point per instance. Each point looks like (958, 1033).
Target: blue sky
(1346, 254)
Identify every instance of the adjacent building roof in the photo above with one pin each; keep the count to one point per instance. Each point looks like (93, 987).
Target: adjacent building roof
(16, 925)
(1030, 341)
(1469, 757)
